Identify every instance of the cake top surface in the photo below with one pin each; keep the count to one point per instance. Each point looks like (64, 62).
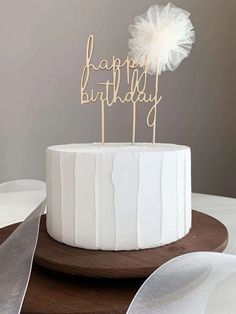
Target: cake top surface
(118, 147)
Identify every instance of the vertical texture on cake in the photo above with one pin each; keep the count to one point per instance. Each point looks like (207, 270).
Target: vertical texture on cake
(169, 199)
(49, 193)
(118, 200)
(125, 176)
(85, 204)
(67, 172)
(188, 190)
(180, 184)
(105, 207)
(150, 200)
(54, 218)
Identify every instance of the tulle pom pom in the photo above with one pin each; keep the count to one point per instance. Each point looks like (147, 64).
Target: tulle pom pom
(163, 36)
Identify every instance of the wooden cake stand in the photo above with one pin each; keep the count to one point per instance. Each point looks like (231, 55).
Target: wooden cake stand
(113, 276)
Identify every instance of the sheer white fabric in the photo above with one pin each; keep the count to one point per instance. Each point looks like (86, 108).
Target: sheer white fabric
(17, 252)
(185, 284)
(164, 35)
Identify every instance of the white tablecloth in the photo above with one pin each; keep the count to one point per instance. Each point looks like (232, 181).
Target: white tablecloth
(223, 209)
(18, 199)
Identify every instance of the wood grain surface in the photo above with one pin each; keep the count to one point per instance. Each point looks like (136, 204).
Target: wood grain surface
(206, 234)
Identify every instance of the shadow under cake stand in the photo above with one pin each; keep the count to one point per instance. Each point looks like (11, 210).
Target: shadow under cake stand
(68, 280)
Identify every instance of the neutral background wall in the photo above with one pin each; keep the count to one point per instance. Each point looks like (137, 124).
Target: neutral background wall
(42, 47)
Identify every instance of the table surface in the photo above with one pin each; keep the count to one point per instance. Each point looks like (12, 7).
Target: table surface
(223, 209)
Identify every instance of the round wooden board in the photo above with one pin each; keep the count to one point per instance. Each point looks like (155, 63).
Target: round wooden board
(57, 293)
(206, 234)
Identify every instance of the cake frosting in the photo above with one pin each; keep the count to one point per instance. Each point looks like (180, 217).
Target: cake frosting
(118, 196)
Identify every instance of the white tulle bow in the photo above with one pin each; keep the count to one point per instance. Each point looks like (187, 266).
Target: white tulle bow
(164, 35)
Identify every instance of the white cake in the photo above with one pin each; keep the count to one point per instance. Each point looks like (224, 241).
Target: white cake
(118, 196)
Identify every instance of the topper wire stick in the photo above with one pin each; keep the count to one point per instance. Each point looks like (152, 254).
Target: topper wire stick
(155, 107)
(154, 126)
(134, 123)
(102, 122)
(152, 123)
(153, 111)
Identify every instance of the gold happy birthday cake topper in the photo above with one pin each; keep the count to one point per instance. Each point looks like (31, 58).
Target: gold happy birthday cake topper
(136, 78)
(159, 43)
